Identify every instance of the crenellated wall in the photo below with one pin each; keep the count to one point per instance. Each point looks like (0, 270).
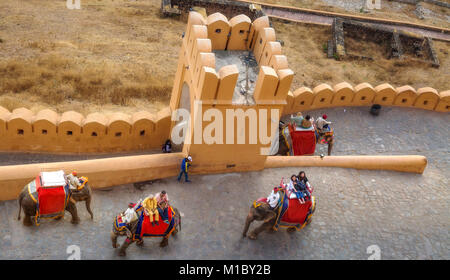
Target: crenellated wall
(197, 79)
(71, 132)
(364, 94)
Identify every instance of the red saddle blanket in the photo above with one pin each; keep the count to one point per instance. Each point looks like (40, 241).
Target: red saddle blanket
(146, 229)
(52, 200)
(262, 199)
(303, 142)
(296, 212)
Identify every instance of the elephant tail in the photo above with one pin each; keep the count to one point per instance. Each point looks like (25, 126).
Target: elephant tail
(20, 206)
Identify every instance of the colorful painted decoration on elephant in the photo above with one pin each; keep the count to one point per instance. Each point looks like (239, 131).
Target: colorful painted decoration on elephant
(119, 224)
(322, 138)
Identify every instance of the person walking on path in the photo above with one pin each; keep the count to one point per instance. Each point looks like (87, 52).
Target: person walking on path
(185, 164)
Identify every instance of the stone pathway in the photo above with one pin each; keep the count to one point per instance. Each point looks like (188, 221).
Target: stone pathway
(405, 215)
(324, 19)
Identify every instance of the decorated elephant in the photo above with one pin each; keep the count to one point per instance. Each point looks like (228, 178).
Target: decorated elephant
(289, 213)
(29, 200)
(260, 211)
(283, 146)
(285, 142)
(326, 138)
(139, 228)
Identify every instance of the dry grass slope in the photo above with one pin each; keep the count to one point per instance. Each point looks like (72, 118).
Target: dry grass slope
(122, 56)
(56, 79)
(107, 55)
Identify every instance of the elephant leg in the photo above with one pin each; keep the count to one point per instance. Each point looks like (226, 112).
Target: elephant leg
(72, 208)
(330, 147)
(88, 207)
(113, 236)
(125, 245)
(271, 230)
(164, 242)
(140, 242)
(265, 226)
(27, 220)
(250, 218)
(291, 230)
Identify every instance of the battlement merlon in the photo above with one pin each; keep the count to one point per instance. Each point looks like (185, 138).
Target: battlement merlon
(206, 41)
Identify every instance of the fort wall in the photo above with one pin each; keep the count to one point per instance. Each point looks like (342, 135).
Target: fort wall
(71, 132)
(199, 80)
(101, 173)
(364, 94)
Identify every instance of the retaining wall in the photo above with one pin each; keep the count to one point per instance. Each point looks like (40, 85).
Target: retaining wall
(123, 170)
(102, 173)
(409, 163)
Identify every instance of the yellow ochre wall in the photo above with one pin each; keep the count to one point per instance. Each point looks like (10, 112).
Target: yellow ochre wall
(122, 170)
(71, 132)
(102, 173)
(344, 94)
(197, 69)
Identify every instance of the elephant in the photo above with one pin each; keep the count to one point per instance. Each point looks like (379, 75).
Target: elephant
(29, 205)
(283, 147)
(329, 140)
(261, 211)
(130, 230)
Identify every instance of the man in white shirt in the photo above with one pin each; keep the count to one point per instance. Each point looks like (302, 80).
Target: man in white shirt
(130, 214)
(322, 123)
(74, 182)
(273, 198)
